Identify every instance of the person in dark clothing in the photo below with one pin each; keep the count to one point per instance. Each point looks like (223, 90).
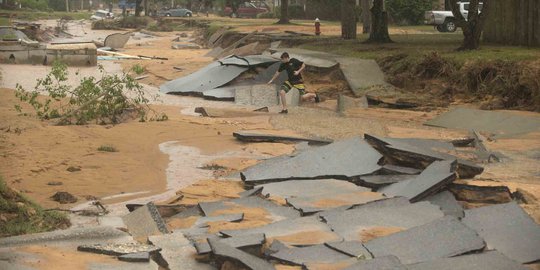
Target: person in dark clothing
(294, 68)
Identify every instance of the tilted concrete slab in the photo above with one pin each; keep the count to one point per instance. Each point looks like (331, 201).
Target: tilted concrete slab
(297, 232)
(117, 40)
(247, 61)
(499, 123)
(226, 252)
(216, 36)
(432, 179)
(135, 257)
(361, 74)
(256, 136)
(203, 221)
(145, 221)
(357, 224)
(242, 241)
(352, 248)
(118, 249)
(89, 235)
(378, 181)
(491, 260)
(259, 95)
(442, 238)
(381, 263)
(508, 229)
(177, 252)
(389, 202)
(448, 203)
(226, 93)
(313, 204)
(393, 169)
(292, 98)
(341, 159)
(346, 103)
(309, 255)
(276, 212)
(210, 77)
(268, 73)
(119, 265)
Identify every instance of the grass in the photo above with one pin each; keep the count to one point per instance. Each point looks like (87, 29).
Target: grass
(27, 15)
(19, 215)
(107, 148)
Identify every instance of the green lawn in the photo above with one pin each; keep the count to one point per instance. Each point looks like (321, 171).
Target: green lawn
(24, 15)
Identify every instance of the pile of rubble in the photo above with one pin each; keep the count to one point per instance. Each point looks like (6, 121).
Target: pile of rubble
(359, 203)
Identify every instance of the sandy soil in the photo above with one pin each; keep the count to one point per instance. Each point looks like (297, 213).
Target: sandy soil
(49, 258)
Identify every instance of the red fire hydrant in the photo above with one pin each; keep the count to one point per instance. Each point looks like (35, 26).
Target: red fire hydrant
(317, 27)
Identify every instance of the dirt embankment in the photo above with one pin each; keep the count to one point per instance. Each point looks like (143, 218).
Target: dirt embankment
(495, 84)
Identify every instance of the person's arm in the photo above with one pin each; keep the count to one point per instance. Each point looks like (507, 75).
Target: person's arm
(274, 77)
(300, 69)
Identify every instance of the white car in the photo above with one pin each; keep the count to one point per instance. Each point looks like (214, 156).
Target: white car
(102, 15)
(444, 21)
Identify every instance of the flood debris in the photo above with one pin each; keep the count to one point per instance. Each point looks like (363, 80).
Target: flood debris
(145, 221)
(64, 197)
(508, 229)
(315, 254)
(447, 202)
(117, 40)
(255, 136)
(442, 238)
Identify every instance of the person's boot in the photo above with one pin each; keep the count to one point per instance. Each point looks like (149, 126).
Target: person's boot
(317, 98)
(284, 111)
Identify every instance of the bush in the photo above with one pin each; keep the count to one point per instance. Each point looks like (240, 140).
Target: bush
(42, 5)
(266, 15)
(106, 100)
(323, 9)
(295, 12)
(408, 12)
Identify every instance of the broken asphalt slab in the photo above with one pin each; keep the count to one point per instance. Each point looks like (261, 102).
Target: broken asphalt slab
(310, 196)
(358, 224)
(255, 136)
(314, 59)
(499, 123)
(118, 249)
(222, 93)
(317, 254)
(248, 61)
(491, 260)
(225, 252)
(508, 229)
(433, 178)
(276, 212)
(89, 235)
(117, 40)
(448, 203)
(352, 248)
(207, 78)
(361, 74)
(341, 159)
(296, 231)
(203, 221)
(419, 153)
(442, 238)
(378, 181)
(259, 95)
(177, 252)
(381, 263)
(145, 221)
(135, 257)
(242, 241)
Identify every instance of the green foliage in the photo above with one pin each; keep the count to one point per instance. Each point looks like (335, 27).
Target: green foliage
(324, 9)
(138, 69)
(295, 12)
(107, 148)
(58, 5)
(266, 15)
(36, 4)
(104, 101)
(18, 215)
(408, 12)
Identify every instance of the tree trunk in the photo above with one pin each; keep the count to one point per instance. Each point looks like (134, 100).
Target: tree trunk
(348, 19)
(472, 27)
(138, 8)
(284, 18)
(379, 24)
(366, 16)
(67, 5)
(145, 7)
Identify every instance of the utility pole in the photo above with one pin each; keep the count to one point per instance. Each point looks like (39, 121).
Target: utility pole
(67, 5)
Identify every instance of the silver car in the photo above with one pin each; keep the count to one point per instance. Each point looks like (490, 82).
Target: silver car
(175, 12)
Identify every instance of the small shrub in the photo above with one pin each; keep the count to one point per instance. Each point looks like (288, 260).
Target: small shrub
(266, 15)
(138, 69)
(107, 148)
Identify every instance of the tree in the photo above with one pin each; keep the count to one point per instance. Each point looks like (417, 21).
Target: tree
(138, 8)
(284, 18)
(379, 24)
(472, 26)
(348, 19)
(366, 16)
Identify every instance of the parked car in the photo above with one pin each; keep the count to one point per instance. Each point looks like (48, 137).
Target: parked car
(245, 9)
(175, 12)
(444, 21)
(102, 15)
